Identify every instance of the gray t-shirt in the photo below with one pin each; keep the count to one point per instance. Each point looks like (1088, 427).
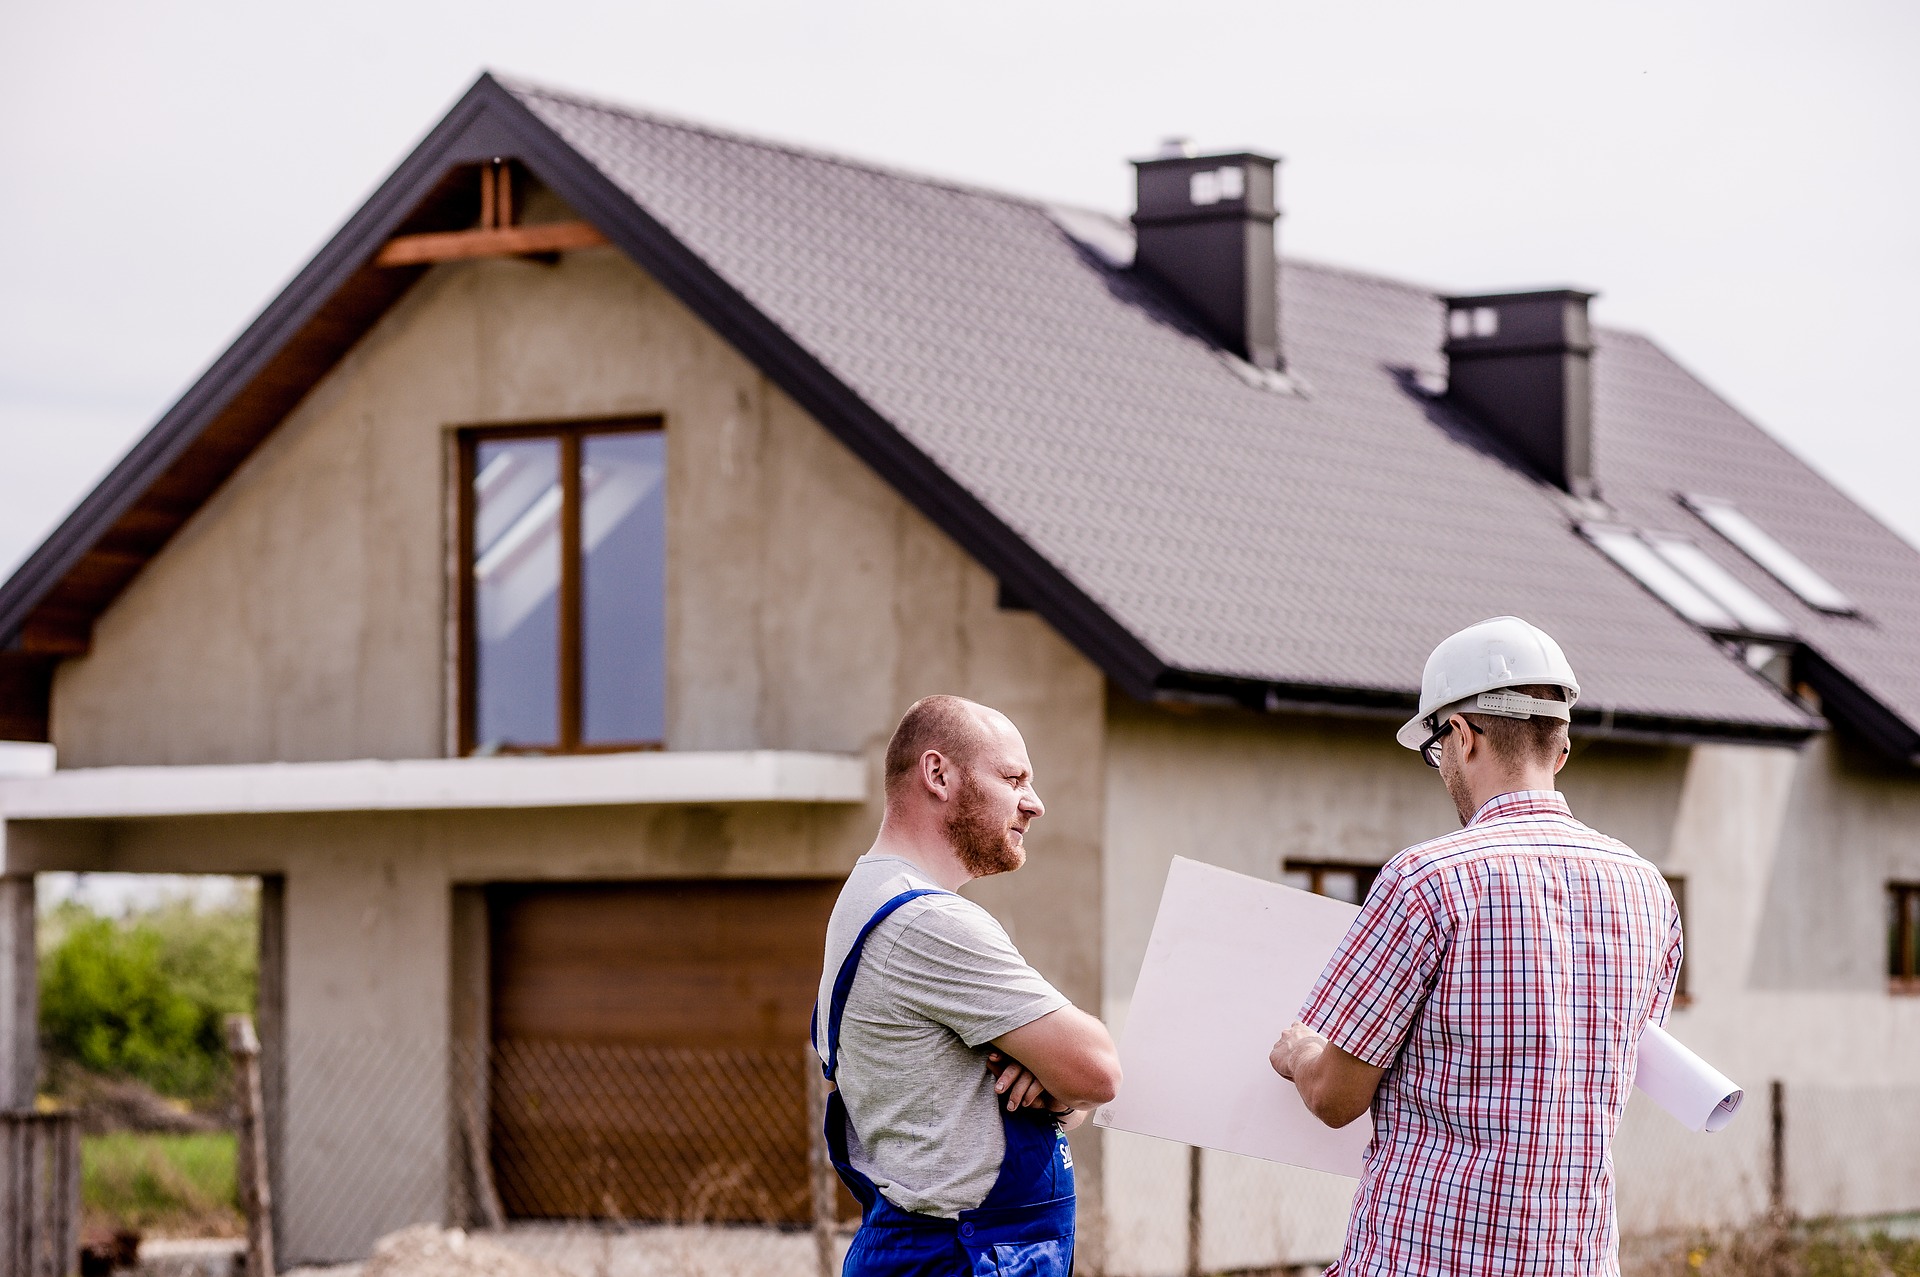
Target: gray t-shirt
(938, 981)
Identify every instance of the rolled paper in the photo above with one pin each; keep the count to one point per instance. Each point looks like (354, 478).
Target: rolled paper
(1701, 1096)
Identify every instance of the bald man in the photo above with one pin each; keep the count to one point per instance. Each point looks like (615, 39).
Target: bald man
(957, 1067)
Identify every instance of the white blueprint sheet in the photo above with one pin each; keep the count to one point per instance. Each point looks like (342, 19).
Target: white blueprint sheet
(1229, 963)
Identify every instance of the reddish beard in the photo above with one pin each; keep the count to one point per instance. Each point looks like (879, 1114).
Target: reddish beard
(983, 844)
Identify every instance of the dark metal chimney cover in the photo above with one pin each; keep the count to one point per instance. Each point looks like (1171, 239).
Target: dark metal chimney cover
(1204, 225)
(1521, 365)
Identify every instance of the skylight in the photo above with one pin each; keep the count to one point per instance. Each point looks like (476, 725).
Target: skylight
(1754, 613)
(1680, 575)
(1757, 544)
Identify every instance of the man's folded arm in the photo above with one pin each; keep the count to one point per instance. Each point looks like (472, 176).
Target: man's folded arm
(1071, 1053)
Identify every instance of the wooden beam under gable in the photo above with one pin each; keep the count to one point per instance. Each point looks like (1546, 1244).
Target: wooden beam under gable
(495, 236)
(499, 241)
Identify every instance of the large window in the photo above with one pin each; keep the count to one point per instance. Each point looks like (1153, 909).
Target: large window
(1903, 936)
(563, 605)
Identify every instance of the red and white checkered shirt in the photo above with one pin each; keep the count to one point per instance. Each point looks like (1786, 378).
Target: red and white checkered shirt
(1502, 976)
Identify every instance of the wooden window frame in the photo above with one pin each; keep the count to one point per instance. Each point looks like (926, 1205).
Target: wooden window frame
(1364, 874)
(1903, 901)
(571, 680)
(1682, 995)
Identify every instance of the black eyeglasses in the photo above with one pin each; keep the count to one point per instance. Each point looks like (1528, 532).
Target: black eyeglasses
(1430, 747)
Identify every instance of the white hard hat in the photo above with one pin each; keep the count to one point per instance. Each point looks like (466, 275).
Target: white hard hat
(1475, 664)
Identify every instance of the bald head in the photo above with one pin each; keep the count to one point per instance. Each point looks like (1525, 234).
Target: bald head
(954, 726)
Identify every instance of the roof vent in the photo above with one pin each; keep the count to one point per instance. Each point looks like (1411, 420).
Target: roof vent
(1204, 225)
(1521, 365)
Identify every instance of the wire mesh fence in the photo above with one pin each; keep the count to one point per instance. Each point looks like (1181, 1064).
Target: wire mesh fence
(605, 1159)
(622, 1161)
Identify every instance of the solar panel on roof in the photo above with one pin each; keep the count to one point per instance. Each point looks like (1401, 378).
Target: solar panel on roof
(1757, 544)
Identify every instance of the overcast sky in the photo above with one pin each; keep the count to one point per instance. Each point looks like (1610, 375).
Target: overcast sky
(1737, 179)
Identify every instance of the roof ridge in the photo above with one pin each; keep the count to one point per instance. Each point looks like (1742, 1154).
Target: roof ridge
(522, 87)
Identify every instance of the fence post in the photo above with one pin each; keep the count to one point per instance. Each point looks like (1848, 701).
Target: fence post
(821, 1177)
(1194, 1155)
(39, 1194)
(255, 1194)
(1777, 1150)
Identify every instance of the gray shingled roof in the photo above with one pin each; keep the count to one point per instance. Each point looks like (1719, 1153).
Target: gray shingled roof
(1326, 539)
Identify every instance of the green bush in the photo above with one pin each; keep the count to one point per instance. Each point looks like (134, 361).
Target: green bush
(146, 996)
(170, 1184)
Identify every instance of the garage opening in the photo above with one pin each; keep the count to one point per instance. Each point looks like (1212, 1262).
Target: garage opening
(648, 1056)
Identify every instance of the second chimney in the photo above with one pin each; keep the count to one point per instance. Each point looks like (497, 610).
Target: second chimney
(1204, 228)
(1521, 365)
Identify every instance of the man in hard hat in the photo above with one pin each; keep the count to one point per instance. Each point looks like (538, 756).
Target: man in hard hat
(1487, 1003)
(956, 1065)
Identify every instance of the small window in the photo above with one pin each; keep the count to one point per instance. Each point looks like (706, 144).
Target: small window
(1476, 321)
(1903, 936)
(1339, 880)
(563, 600)
(1757, 544)
(1682, 996)
(1213, 185)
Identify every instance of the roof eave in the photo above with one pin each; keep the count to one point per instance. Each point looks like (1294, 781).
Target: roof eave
(1395, 705)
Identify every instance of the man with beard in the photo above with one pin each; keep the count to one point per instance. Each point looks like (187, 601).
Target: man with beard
(956, 1066)
(1488, 1002)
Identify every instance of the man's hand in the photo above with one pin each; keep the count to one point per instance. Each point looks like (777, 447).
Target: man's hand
(1336, 1087)
(1015, 1081)
(1072, 1055)
(1298, 1039)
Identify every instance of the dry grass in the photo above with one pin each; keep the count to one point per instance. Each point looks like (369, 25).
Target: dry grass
(159, 1184)
(1771, 1249)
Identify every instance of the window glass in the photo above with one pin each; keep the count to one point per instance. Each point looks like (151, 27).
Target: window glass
(1758, 544)
(1903, 931)
(1749, 609)
(623, 569)
(1678, 885)
(516, 584)
(1641, 563)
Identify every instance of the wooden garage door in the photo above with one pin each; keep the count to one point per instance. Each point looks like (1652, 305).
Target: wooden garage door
(649, 1048)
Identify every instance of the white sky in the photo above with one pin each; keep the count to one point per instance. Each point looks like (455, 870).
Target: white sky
(1738, 179)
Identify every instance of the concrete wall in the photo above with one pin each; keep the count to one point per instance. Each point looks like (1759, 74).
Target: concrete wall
(303, 614)
(1784, 852)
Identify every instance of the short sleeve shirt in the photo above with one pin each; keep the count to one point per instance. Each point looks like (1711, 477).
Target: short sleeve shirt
(938, 981)
(1502, 976)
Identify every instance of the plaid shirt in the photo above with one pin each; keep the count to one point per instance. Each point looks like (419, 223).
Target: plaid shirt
(1501, 975)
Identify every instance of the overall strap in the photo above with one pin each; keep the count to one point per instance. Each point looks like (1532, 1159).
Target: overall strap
(843, 983)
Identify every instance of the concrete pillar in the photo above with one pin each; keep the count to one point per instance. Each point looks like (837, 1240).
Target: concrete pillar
(19, 994)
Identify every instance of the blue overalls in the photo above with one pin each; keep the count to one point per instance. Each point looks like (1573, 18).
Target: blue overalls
(1024, 1227)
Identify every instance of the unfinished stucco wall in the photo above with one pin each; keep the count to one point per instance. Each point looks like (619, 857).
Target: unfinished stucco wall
(303, 614)
(1787, 855)
(1248, 793)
